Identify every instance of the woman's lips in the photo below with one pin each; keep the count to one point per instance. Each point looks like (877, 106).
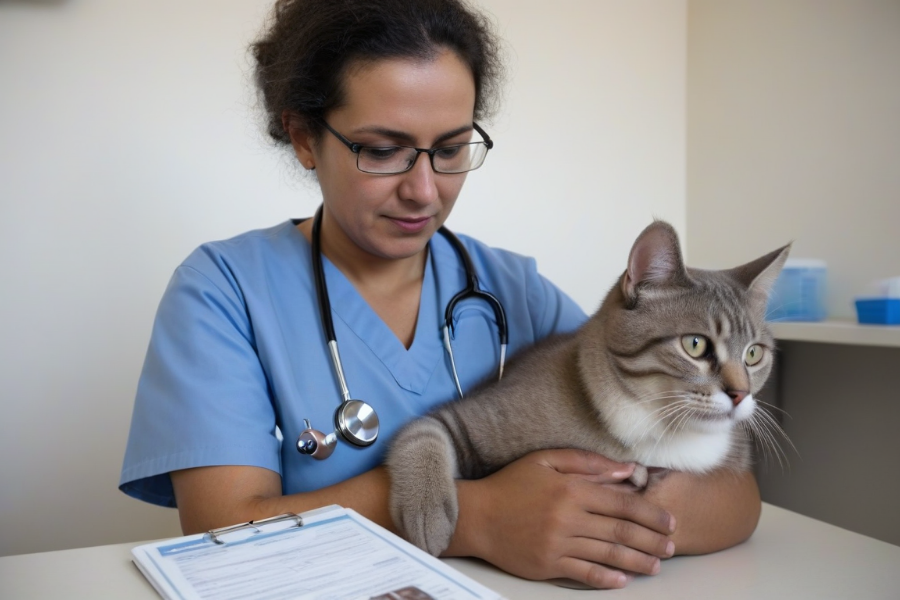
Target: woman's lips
(410, 224)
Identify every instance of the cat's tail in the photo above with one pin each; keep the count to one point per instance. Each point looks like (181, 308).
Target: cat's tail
(423, 468)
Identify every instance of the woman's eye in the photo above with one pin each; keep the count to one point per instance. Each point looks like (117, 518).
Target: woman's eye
(695, 345)
(385, 153)
(448, 152)
(753, 355)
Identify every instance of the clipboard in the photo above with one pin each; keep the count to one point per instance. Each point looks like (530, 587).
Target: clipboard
(331, 552)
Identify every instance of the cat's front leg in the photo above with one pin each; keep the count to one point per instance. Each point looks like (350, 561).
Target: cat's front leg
(422, 467)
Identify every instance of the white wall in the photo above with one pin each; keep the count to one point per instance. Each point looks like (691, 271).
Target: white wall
(128, 137)
(794, 134)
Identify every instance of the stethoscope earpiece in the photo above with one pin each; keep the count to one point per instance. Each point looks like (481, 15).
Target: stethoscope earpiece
(315, 443)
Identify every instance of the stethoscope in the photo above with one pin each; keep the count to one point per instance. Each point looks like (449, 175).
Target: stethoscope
(355, 421)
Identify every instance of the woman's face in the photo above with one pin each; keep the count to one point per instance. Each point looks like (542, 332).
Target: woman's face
(393, 102)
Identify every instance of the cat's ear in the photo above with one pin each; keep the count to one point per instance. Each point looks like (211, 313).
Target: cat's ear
(759, 275)
(655, 259)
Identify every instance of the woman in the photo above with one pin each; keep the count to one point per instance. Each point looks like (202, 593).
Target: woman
(382, 100)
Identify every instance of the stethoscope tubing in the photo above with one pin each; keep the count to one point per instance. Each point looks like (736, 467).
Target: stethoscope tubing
(325, 305)
(471, 290)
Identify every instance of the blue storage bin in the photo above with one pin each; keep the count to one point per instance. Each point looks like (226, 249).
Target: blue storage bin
(878, 311)
(799, 292)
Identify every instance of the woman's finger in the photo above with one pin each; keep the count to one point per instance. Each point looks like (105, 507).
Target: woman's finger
(619, 532)
(630, 507)
(592, 574)
(613, 555)
(595, 467)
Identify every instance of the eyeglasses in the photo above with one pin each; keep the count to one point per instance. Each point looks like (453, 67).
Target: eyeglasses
(391, 160)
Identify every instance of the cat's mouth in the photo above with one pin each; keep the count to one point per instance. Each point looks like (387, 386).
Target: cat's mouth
(714, 416)
(714, 420)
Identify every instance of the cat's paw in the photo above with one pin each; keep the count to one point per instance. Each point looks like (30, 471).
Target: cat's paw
(427, 520)
(423, 501)
(640, 477)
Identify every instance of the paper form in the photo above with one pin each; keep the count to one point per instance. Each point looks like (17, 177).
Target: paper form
(334, 555)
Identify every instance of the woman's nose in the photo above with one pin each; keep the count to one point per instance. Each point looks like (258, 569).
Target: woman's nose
(419, 182)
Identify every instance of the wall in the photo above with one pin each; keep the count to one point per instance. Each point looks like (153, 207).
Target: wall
(793, 134)
(128, 136)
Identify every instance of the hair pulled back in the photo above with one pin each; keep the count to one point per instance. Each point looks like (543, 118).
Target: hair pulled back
(309, 45)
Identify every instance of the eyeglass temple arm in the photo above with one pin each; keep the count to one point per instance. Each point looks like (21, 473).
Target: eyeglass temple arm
(487, 139)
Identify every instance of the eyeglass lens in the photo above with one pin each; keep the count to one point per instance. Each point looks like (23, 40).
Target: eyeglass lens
(397, 159)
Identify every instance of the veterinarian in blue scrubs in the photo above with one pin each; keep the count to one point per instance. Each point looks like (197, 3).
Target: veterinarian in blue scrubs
(238, 357)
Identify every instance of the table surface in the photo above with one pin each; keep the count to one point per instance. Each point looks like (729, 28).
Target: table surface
(789, 556)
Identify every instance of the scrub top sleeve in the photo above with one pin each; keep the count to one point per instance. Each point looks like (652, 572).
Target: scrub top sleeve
(203, 397)
(554, 311)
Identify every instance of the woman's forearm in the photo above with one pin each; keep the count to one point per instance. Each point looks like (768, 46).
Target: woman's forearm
(713, 511)
(210, 497)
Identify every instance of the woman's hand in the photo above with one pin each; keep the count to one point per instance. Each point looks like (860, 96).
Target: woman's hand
(559, 514)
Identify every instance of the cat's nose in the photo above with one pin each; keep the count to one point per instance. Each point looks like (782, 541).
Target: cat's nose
(737, 395)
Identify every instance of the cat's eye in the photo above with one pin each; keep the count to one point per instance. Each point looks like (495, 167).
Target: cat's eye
(694, 345)
(753, 355)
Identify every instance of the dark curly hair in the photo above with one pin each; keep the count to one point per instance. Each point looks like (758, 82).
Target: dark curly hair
(308, 46)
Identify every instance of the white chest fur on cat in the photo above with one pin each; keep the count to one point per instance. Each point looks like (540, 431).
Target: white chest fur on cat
(689, 451)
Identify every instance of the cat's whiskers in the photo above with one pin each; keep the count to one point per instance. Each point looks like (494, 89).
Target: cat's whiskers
(781, 307)
(662, 396)
(684, 421)
(664, 407)
(673, 408)
(764, 440)
(775, 428)
(772, 407)
(685, 414)
(766, 427)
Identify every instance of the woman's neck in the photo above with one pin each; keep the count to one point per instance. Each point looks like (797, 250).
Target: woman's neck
(391, 287)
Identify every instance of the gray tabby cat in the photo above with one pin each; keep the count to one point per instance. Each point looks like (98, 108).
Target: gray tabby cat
(662, 375)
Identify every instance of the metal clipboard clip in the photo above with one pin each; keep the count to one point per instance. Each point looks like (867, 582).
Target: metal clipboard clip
(242, 531)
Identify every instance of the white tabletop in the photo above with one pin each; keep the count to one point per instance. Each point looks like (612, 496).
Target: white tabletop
(790, 556)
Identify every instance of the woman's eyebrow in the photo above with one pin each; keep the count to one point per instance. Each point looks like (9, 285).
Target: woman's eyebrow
(406, 138)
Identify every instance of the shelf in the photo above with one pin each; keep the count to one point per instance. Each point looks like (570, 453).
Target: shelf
(838, 332)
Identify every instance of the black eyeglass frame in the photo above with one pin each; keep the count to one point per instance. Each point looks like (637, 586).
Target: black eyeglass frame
(357, 148)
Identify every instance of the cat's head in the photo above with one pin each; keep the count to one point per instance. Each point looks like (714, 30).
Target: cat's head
(690, 346)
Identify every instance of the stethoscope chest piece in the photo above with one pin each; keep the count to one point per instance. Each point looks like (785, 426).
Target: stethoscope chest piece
(357, 422)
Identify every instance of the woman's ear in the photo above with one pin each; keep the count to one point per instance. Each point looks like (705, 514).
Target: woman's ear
(301, 138)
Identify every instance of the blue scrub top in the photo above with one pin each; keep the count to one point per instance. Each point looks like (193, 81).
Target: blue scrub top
(238, 348)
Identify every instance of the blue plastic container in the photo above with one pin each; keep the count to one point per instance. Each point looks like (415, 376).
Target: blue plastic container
(799, 292)
(878, 311)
